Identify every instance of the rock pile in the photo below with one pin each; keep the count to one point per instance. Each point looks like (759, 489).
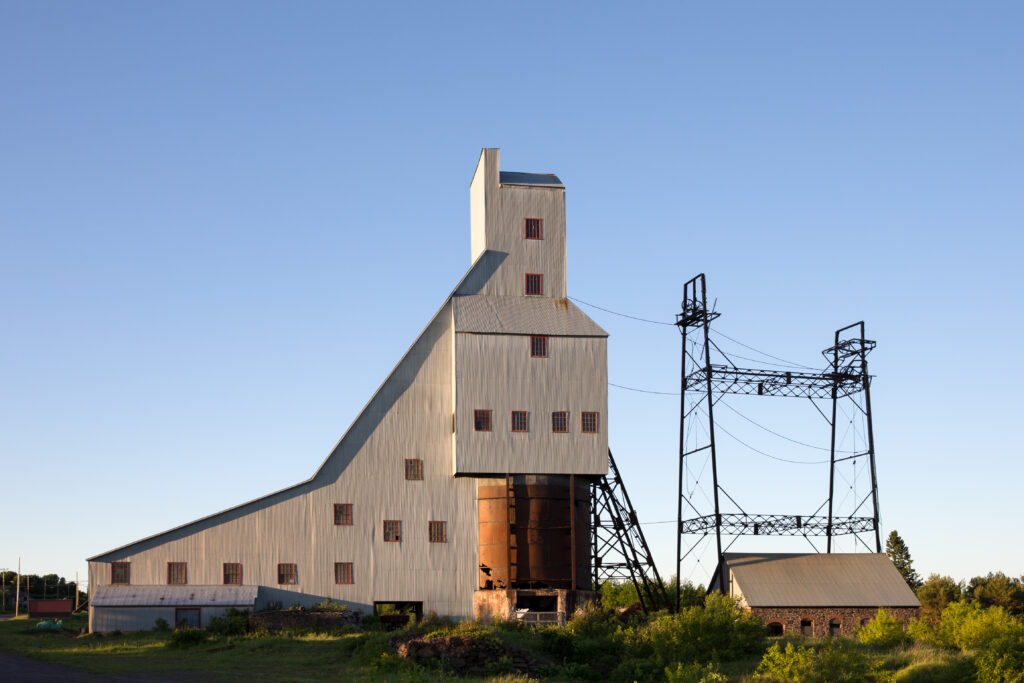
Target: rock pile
(466, 655)
(326, 620)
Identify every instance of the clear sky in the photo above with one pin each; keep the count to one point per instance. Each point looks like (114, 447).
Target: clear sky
(221, 224)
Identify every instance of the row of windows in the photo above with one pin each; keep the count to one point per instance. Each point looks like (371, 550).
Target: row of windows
(777, 628)
(589, 421)
(287, 573)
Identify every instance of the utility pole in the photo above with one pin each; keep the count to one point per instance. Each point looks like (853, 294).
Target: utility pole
(76, 591)
(17, 591)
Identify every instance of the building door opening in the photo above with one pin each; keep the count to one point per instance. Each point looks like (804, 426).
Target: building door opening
(398, 614)
(833, 627)
(187, 617)
(806, 627)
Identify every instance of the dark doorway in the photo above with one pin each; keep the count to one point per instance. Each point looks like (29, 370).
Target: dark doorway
(833, 627)
(187, 617)
(806, 627)
(394, 615)
(775, 629)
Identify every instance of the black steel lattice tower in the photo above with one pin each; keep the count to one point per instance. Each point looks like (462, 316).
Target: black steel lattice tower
(619, 550)
(845, 379)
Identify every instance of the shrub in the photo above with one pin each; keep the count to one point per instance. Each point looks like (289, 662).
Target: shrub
(161, 625)
(328, 604)
(791, 664)
(837, 660)
(592, 620)
(694, 673)
(1003, 660)
(185, 636)
(967, 626)
(882, 631)
(234, 622)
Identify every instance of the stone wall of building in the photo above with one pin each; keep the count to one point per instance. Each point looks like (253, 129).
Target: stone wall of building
(850, 618)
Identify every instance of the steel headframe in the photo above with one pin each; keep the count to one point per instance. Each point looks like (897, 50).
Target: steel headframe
(846, 376)
(618, 548)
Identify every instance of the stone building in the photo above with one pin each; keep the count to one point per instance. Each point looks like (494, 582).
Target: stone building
(817, 594)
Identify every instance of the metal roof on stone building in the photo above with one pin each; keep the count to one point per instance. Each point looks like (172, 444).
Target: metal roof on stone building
(522, 315)
(174, 596)
(819, 580)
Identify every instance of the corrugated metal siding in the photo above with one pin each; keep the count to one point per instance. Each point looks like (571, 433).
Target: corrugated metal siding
(820, 580)
(106, 619)
(410, 417)
(522, 315)
(496, 372)
(173, 596)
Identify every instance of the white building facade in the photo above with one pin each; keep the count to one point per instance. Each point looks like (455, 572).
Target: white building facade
(506, 387)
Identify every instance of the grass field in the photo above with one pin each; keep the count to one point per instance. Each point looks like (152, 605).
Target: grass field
(598, 649)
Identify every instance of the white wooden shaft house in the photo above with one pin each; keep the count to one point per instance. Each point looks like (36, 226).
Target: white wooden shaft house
(504, 391)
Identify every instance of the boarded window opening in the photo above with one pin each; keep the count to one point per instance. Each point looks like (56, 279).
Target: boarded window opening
(343, 514)
(560, 422)
(534, 229)
(413, 469)
(287, 574)
(834, 626)
(534, 284)
(520, 421)
(177, 573)
(538, 346)
(482, 420)
(343, 572)
(437, 532)
(120, 572)
(589, 423)
(392, 530)
(806, 627)
(233, 573)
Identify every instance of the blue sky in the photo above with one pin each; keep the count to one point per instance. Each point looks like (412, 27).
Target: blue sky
(223, 223)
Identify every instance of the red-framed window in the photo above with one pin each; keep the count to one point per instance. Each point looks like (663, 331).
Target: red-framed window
(482, 420)
(538, 346)
(343, 572)
(288, 573)
(177, 573)
(413, 469)
(520, 421)
(560, 422)
(120, 572)
(233, 573)
(589, 423)
(343, 514)
(392, 530)
(534, 284)
(534, 229)
(438, 532)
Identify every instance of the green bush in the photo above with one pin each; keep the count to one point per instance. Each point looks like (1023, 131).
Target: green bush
(694, 673)
(234, 622)
(593, 620)
(161, 625)
(882, 631)
(1002, 661)
(185, 636)
(967, 626)
(328, 604)
(791, 664)
(837, 660)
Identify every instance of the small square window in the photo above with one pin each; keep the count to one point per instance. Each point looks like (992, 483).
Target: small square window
(343, 514)
(287, 574)
(534, 284)
(343, 572)
(120, 572)
(392, 530)
(233, 573)
(520, 421)
(589, 423)
(560, 422)
(177, 573)
(438, 533)
(533, 229)
(482, 420)
(413, 469)
(539, 346)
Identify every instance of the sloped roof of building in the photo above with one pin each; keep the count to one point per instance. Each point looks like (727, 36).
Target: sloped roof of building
(819, 580)
(516, 178)
(174, 596)
(522, 315)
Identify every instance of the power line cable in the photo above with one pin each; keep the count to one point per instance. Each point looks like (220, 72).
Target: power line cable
(781, 436)
(767, 455)
(643, 391)
(624, 315)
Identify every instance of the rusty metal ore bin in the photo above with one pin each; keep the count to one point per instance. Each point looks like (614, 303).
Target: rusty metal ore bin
(525, 527)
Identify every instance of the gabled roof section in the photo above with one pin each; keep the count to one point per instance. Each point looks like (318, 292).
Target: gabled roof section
(522, 315)
(541, 179)
(819, 580)
(174, 596)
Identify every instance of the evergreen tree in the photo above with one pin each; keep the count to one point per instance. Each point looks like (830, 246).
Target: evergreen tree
(898, 552)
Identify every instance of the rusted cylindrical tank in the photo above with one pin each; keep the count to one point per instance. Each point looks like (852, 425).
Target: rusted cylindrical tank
(526, 531)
